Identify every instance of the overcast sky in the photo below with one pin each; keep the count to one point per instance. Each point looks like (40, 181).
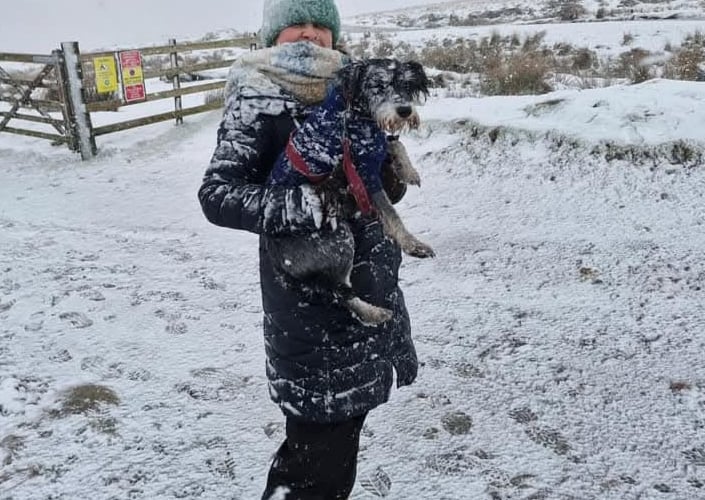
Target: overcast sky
(40, 25)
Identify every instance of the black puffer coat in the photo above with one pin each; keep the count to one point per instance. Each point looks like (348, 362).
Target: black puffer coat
(323, 365)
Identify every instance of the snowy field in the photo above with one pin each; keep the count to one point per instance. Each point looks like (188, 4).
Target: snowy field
(604, 38)
(560, 327)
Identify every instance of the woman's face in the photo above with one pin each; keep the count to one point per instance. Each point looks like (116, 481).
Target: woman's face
(308, 32)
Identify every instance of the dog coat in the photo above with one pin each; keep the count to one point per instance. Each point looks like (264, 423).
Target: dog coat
(331, 136)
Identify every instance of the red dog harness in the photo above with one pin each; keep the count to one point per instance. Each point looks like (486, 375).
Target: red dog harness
(355, 185)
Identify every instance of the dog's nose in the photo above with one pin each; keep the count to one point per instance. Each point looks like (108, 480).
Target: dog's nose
(404, 111)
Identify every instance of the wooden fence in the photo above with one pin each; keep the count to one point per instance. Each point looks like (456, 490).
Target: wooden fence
(70, 90)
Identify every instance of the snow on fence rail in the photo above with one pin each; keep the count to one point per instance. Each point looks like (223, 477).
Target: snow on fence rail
(65, 92)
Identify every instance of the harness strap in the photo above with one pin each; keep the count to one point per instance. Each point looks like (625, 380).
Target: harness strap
(355, 184)
(300, 165)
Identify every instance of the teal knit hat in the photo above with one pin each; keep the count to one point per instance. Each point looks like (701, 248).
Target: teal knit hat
(280, 14)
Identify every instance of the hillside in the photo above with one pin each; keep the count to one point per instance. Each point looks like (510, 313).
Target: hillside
(559, 328)
(479, 12)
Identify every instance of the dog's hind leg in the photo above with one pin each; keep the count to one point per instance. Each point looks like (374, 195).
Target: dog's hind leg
(323, 263)
(401, 163)
(394, 227)
(367, 313)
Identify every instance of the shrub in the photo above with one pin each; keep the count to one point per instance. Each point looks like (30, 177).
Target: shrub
(458, 55)
(687, 60)
(632, 65)
(520, 73)
(584, 59)
(571, 11)
(383, 46)
(565, 10)
(86, 398)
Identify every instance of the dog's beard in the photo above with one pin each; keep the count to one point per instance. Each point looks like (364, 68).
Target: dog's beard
(389, 120)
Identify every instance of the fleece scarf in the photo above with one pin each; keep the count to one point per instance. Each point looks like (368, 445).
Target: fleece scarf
(301, 69)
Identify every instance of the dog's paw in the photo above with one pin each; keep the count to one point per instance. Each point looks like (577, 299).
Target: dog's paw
(412, 177)
(416, 248)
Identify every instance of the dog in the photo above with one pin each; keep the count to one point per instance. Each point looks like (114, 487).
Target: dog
(374, 96)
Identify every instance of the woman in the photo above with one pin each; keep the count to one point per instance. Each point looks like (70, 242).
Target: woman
(326, 370)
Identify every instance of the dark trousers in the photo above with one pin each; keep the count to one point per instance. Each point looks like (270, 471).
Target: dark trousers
(316, 461)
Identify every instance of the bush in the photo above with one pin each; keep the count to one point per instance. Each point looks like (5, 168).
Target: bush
(632, 65)
(584, 59)
(566, 11)
(521, 73)
(510, 64)
(459, 56)
(688, 59)
(87, 398)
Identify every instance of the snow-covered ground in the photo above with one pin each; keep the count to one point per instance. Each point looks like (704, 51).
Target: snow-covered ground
(563, 315)
(521, 11)
(604, 38)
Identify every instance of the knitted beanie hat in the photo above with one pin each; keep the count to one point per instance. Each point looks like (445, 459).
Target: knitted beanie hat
(280, 14)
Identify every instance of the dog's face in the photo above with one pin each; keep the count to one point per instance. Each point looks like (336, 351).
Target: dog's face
(386, 90)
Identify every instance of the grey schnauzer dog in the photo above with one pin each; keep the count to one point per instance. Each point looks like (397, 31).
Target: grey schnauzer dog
(367, 99)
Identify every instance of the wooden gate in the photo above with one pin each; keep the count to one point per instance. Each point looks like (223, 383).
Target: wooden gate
(59, 90)
(34, 97)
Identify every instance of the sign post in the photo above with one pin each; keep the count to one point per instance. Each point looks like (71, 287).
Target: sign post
(132, 76)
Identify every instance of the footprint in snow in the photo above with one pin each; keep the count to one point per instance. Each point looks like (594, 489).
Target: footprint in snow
(5, 306)
(376, 482)
(457, 423)
(61, 356)
(549, 438)
(523, 415)
(222, 467)
(76, 319)
(34, 327)
(452, 463)
(93, 295)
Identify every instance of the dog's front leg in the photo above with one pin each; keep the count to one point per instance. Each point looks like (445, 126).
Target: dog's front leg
(401, 163)
(394, 227)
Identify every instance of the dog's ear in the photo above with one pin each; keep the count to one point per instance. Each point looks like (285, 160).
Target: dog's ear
(349, 77)
(420, 78)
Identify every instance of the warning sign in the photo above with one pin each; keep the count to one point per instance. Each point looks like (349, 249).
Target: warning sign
(132, 76)
(106, 77)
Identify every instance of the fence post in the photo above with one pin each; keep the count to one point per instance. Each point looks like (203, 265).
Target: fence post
(66, 111)
(176, 81)
(82, 127)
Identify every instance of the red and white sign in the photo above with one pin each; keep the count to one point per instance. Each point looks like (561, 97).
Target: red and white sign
(132, 76)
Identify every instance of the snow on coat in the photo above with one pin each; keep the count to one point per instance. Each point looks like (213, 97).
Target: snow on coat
(322, 364)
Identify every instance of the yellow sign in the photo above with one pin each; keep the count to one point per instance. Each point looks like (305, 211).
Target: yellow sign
(106, 77)
(132, 76)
